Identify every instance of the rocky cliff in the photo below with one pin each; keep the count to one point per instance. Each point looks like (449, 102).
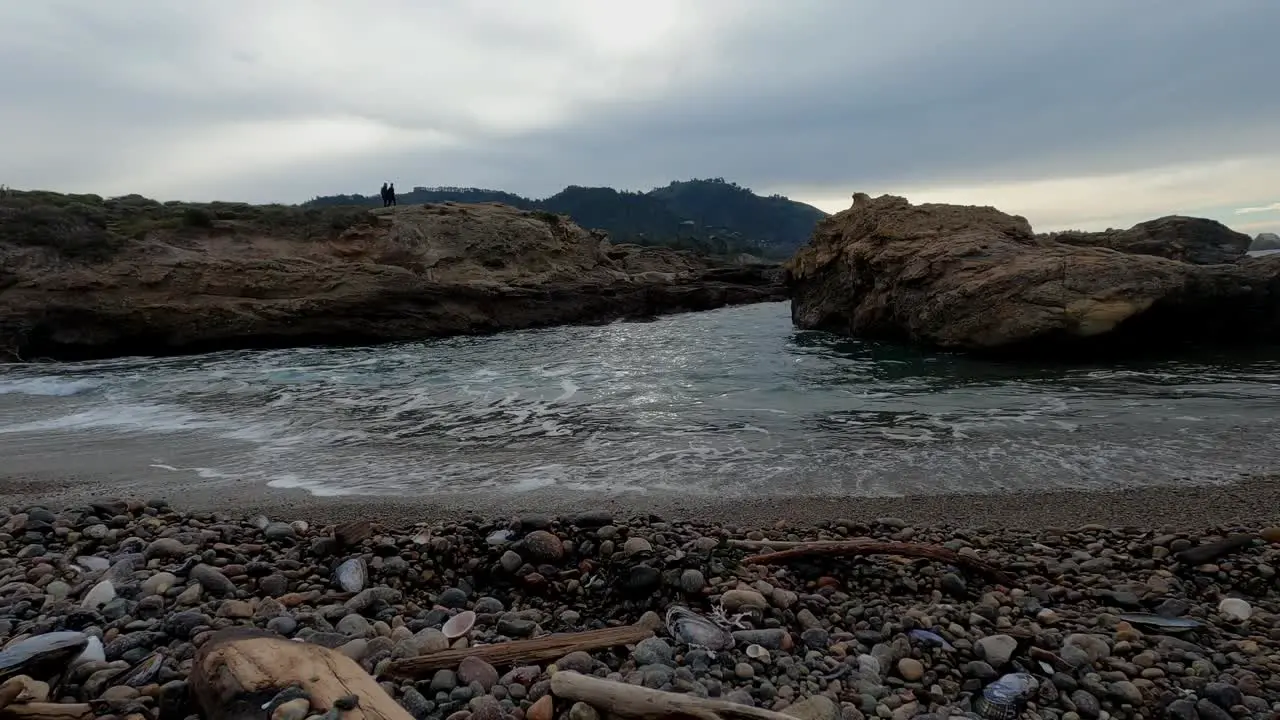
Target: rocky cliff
(78, 283)
(1198, 241)
(1266, 241)
(977, 279)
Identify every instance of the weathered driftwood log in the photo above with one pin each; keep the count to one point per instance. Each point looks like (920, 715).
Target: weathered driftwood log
(1202, 554)
(47, 711)
(836, 548)
(238, 670)
(10, 690)
(635, 701)
(352, 533)
(533, 650)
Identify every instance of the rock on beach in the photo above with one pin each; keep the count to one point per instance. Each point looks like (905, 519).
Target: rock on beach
(829, 638)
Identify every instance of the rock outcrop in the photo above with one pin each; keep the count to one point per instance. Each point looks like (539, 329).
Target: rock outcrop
(397, 274)
(976, 279)
(1266, 241)
(1199, 241)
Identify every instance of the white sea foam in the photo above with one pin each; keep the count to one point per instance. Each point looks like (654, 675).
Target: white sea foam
(47, 386)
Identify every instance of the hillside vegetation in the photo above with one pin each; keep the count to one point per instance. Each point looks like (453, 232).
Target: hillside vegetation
(711, 216)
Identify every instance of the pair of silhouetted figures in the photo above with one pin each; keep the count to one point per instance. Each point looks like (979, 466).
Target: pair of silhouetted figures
(388, 194)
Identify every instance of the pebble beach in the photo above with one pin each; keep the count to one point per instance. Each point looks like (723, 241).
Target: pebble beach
(105, 604)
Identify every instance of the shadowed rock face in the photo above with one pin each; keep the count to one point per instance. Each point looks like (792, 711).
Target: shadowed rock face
(1266, 241)
(408, 273)
(976, 279)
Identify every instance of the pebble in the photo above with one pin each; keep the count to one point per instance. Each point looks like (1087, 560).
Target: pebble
(833, 637)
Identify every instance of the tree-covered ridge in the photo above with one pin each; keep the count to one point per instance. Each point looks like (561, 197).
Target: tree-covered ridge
(709, 215)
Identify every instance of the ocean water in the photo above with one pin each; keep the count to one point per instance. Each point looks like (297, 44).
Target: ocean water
(734, 402)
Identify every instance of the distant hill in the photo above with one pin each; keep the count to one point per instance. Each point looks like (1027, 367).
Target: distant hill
(709, 215)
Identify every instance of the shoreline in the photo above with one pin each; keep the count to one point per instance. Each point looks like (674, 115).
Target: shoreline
(1252, 500)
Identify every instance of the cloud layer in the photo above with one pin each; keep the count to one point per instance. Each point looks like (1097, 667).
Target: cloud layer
(1082, 114)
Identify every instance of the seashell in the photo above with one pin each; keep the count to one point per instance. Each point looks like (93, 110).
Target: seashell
(142, 673)
(41, 656)
(1005, 698)
(300, 526)
(422, 538)
(93, 652)
(499, 537)
(1172, 624)
(931, 638)
(694, 630)
(1236, 609)
(459, 624)
(758, 652)
(260, 521)
(93, 563)
(352, 575)
(99, 595)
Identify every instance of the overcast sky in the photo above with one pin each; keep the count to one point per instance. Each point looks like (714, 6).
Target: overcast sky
(1085, 113)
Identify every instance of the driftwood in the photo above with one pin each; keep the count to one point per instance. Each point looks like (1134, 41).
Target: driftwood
(533, 650)
(239, 669)
(47, 711)
(353, 533)
(1201, 554)
(635, 701)
(835, 548)
(10, 690)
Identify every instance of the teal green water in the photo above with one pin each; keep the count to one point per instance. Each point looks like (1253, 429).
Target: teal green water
(732, 402)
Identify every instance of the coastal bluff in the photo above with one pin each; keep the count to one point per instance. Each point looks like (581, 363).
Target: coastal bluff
(82, 277)
(975, 279)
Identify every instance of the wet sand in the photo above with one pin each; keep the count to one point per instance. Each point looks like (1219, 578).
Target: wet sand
(1249, 501)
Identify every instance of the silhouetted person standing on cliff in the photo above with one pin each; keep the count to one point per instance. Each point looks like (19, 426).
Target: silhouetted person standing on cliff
(391, 193)
(385, 197)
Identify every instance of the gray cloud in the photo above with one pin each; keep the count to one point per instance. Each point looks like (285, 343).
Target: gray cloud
(824, 94)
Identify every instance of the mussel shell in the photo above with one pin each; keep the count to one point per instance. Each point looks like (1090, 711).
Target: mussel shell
(143, 672)
(352, 575)
(694, 630)
(41, 656)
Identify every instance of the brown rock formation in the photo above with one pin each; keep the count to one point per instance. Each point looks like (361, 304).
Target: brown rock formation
(974, 278)
(1199, 241)
(72, 287)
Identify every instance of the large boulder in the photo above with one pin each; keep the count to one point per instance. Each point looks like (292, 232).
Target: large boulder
(278, 277)
(1266, 241)
(1199, 241)
(974, 278)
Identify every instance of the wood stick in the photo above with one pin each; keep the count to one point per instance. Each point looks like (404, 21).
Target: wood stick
(1201, 554)
(10, 690)
(547, 647)
(353, 533)
(865, 547)
(635, 701)
(783, 544)
(47, 711)
(238, 669)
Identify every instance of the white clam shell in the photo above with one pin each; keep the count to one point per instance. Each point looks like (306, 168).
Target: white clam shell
(758, 652)
(459, 625)
(99, 595)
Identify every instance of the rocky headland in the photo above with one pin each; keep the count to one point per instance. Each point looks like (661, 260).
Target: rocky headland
(976, 279)
(83, 277)
(106, 610)
(1266, 241)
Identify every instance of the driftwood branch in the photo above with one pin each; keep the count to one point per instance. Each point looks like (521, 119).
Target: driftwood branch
(47, 711)
(1202, 554)
(10, 690)
(239, 669)
(870, 547)
(642, 703)
(534, 650)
